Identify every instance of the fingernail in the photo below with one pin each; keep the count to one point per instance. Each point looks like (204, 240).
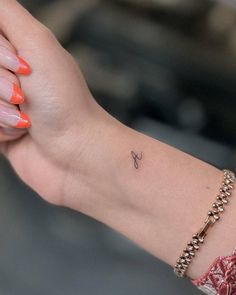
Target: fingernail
(11, 92)
(17, 96)
(24, 121)
(24, 68)
(13, 117)
(13, 62)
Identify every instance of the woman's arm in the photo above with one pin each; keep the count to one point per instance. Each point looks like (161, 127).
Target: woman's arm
(154, 194)
(76, 155)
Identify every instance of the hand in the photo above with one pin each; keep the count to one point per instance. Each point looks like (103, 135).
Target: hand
(65, 119)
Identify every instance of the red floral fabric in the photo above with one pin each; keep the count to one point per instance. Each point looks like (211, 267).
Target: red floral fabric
(220, 279)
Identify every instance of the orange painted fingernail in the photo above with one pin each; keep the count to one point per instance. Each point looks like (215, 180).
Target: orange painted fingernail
(12, 117)
(13, 62)
(17, 96)
(24, 68)
(24, 121)
(10, 92)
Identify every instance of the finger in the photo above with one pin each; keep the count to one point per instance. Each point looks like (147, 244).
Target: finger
(9, 76)
(11, 116)
(5, 43)
(9, 59)
(13, 62)
(8, 134)
(10, 92)
(13, 15)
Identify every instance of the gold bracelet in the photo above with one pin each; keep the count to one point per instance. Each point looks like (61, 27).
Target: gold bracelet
(213, 215)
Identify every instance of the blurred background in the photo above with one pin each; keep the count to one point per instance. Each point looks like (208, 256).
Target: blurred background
(164, 67)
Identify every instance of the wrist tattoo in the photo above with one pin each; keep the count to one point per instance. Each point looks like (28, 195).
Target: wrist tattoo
(136, 157)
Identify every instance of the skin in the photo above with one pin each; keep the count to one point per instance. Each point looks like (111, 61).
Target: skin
(76, 155)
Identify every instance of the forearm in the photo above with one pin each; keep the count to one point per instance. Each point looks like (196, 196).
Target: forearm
(156, 196)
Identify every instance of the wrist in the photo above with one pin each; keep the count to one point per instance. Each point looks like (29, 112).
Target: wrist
(91, 181)
(151, 204)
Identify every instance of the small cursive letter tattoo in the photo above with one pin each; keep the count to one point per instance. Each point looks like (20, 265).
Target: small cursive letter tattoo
(136, 158)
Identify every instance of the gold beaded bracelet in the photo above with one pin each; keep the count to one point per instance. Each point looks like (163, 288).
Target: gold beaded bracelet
(213, 215)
